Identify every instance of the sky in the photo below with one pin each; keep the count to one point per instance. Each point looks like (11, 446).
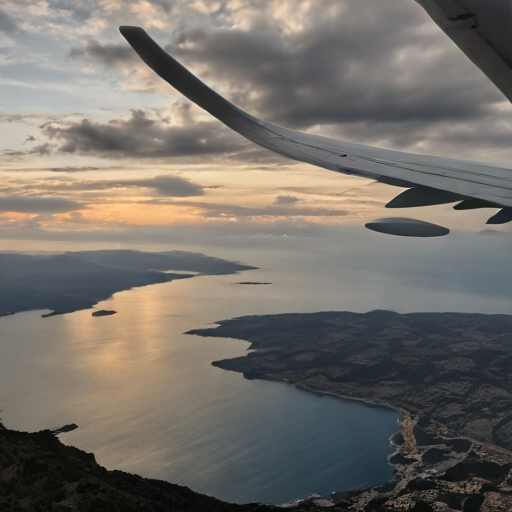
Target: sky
(96, 147)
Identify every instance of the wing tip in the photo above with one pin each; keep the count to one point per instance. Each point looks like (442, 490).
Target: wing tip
(128, 31)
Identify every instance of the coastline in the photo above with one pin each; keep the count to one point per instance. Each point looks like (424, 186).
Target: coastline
(407, 427)
(446, 448)
(73, 281)
(408, 451)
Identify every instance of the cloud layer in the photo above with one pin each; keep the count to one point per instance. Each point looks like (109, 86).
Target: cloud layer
(96, 127)
(166, 185)
(27, 204)
(143, 135)
(366, 71)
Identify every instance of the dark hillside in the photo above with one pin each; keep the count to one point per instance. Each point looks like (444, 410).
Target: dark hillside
(39, 473)
(72, 281)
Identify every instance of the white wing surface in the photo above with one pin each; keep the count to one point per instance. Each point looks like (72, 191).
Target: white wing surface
(482, 29)
(458, 179)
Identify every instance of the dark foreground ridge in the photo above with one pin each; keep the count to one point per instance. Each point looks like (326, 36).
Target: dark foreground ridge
(447, 373)
(77, 280)
(39, 473)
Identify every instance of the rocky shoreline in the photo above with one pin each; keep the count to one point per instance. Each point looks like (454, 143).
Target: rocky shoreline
(432, 472)
(421, 458)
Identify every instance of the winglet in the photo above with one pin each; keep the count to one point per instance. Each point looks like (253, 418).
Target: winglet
(179, 77)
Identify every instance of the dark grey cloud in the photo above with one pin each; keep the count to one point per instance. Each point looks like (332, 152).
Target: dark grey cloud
(285, 200)
(18, 154)
(31, 204)
(350, 61)
(73, 169)
(7, 23)
(143, 135)
(375, 72)
(41, 149)
(107, 55)
(171, 186)
(330, 70)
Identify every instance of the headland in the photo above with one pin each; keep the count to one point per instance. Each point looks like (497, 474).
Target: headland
(448, 374)
(71, 281)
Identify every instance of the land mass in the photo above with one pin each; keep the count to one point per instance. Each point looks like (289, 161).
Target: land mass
(77, 280)
(39, 473)
(448, 374)
(104, 312)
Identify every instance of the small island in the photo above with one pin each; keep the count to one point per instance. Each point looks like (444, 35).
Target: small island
(104, 312)
(252, 283)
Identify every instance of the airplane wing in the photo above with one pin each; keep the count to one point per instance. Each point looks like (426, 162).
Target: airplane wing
(435, 180)
(482, 29)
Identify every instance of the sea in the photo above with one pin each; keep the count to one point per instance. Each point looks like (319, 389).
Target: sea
(147, 400)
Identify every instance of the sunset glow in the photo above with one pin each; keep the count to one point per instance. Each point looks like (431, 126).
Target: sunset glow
(93, 140)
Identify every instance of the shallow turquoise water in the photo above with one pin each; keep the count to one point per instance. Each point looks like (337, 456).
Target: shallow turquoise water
(147, 399)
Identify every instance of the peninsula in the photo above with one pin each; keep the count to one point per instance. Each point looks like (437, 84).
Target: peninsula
(448, 374)
(71, 281)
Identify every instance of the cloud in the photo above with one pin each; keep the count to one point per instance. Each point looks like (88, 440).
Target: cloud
(108, 55)
(31, 204)
(12, 154)
(165, 5)
(73, 169)
(407, 86)
(226, 211)
(18, 154)
(80, 10)
(168, 185)
(7, 23)
(42, 149)
(328, 70)
(251, 232)
(285, 200)
(143, 135)
(76, 218)
(378, 73)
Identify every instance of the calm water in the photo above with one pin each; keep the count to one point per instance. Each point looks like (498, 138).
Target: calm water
(147, 399)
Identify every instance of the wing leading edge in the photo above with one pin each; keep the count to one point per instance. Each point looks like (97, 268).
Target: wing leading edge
(486, 182)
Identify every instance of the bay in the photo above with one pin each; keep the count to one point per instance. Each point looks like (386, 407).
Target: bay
(147, 400)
